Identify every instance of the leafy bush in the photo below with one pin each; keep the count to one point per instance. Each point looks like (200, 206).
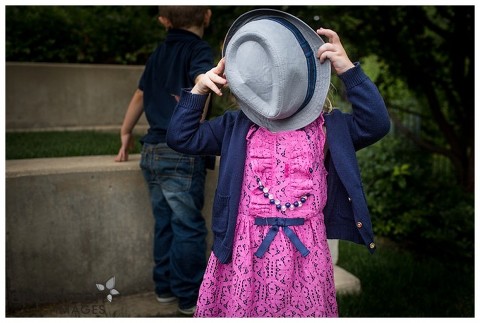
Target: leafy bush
(412, 203)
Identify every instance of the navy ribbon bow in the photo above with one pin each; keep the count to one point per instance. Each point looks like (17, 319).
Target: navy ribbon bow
(276, 223)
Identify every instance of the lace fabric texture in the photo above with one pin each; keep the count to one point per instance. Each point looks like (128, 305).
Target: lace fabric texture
(282, 283)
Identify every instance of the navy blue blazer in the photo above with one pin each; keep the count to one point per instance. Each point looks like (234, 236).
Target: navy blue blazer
(346, 212)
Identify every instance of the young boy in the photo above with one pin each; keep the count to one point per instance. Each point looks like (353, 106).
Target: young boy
(175, 181)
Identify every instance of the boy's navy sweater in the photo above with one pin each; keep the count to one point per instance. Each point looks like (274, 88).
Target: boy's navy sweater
(174, 65)
(346, 213)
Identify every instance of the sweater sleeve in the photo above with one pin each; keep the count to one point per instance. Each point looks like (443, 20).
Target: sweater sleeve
(187, 135)
(369, 121)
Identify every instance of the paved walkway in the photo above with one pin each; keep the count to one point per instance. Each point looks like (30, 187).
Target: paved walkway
(146, 305)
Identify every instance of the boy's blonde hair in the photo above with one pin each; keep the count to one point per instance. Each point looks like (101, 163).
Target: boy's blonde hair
(184, 16)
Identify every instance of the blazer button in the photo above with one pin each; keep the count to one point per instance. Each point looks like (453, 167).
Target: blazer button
(372, 245)
(349, 199)
(359, 225)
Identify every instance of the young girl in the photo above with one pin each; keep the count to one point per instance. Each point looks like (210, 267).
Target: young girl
(288, 176)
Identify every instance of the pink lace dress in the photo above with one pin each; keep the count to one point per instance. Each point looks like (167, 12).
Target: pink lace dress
(281, 264)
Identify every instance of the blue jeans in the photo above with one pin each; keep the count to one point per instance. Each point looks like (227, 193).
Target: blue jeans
(176, 184)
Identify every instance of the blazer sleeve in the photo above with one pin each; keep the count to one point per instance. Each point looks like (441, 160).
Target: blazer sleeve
(369, 121)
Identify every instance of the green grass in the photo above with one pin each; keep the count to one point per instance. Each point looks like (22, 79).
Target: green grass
(62, 144)
(397, 283)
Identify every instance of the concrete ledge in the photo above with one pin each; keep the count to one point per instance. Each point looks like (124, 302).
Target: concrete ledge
(74, 222)
(66, 165)
(345, 282)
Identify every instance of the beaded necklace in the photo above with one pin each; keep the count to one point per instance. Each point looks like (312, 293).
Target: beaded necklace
(278, 204)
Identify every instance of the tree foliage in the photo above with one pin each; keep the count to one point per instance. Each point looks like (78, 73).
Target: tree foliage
(81, 34)
(420, 47)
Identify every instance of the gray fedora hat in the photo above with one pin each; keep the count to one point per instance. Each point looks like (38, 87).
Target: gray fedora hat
(272, 69)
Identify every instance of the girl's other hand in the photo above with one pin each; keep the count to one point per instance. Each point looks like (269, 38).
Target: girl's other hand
(334, 51)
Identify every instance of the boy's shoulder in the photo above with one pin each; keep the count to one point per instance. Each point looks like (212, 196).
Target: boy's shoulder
(182, 43)
(183, 40)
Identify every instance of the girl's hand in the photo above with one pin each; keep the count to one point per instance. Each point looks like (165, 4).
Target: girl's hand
(213, 80)
(334, 51)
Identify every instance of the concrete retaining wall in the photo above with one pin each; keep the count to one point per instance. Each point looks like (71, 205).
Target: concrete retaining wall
(56, 96)
(74, 222)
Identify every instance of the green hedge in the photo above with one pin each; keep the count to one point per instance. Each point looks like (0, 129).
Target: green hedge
(412, 203)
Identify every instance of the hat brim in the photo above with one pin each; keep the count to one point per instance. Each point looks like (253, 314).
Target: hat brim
(323, 73)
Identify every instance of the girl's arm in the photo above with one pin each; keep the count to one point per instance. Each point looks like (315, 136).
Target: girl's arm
(186, 132)
(369, 121)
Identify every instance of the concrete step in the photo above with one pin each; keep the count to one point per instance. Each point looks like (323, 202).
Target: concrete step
(345, 282)
(146, 305)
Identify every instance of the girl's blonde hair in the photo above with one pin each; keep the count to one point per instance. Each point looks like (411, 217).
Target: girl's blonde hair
(328, 104)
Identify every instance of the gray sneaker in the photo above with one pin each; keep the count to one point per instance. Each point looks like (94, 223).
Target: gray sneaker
(188, 311)
(166, 298)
